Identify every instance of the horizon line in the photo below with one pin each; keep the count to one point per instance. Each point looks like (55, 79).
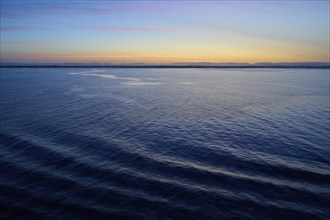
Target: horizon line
(169, 63)
(310, 65)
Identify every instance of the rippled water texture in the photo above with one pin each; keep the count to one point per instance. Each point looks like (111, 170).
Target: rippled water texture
(164, 144)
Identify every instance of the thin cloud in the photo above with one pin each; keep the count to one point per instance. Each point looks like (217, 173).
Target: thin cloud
(23, 9)
(20, 28)
(156, 29)
(131, 29)
(31, 43)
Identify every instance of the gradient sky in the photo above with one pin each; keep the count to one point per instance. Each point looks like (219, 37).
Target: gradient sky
(164, 31)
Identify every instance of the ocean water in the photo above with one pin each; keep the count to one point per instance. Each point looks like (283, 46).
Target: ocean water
(164, 144)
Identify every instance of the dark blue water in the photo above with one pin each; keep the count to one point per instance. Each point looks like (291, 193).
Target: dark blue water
(164, 144)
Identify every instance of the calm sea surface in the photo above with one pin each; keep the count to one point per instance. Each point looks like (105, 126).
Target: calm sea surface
(164, 144)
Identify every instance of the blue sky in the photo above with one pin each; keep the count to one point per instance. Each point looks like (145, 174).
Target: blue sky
(164, 31)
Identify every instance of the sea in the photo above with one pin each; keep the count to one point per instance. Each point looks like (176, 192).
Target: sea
(164, 143)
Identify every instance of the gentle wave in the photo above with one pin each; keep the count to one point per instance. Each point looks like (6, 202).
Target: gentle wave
(132, 81)
(204, 144)
(191, 169)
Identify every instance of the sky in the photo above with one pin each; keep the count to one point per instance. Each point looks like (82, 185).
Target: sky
(164, 31)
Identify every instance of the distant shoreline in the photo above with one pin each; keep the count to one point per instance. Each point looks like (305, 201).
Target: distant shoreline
(171, 66)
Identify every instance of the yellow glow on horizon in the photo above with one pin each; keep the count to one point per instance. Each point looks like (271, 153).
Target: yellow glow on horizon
(221, 56)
